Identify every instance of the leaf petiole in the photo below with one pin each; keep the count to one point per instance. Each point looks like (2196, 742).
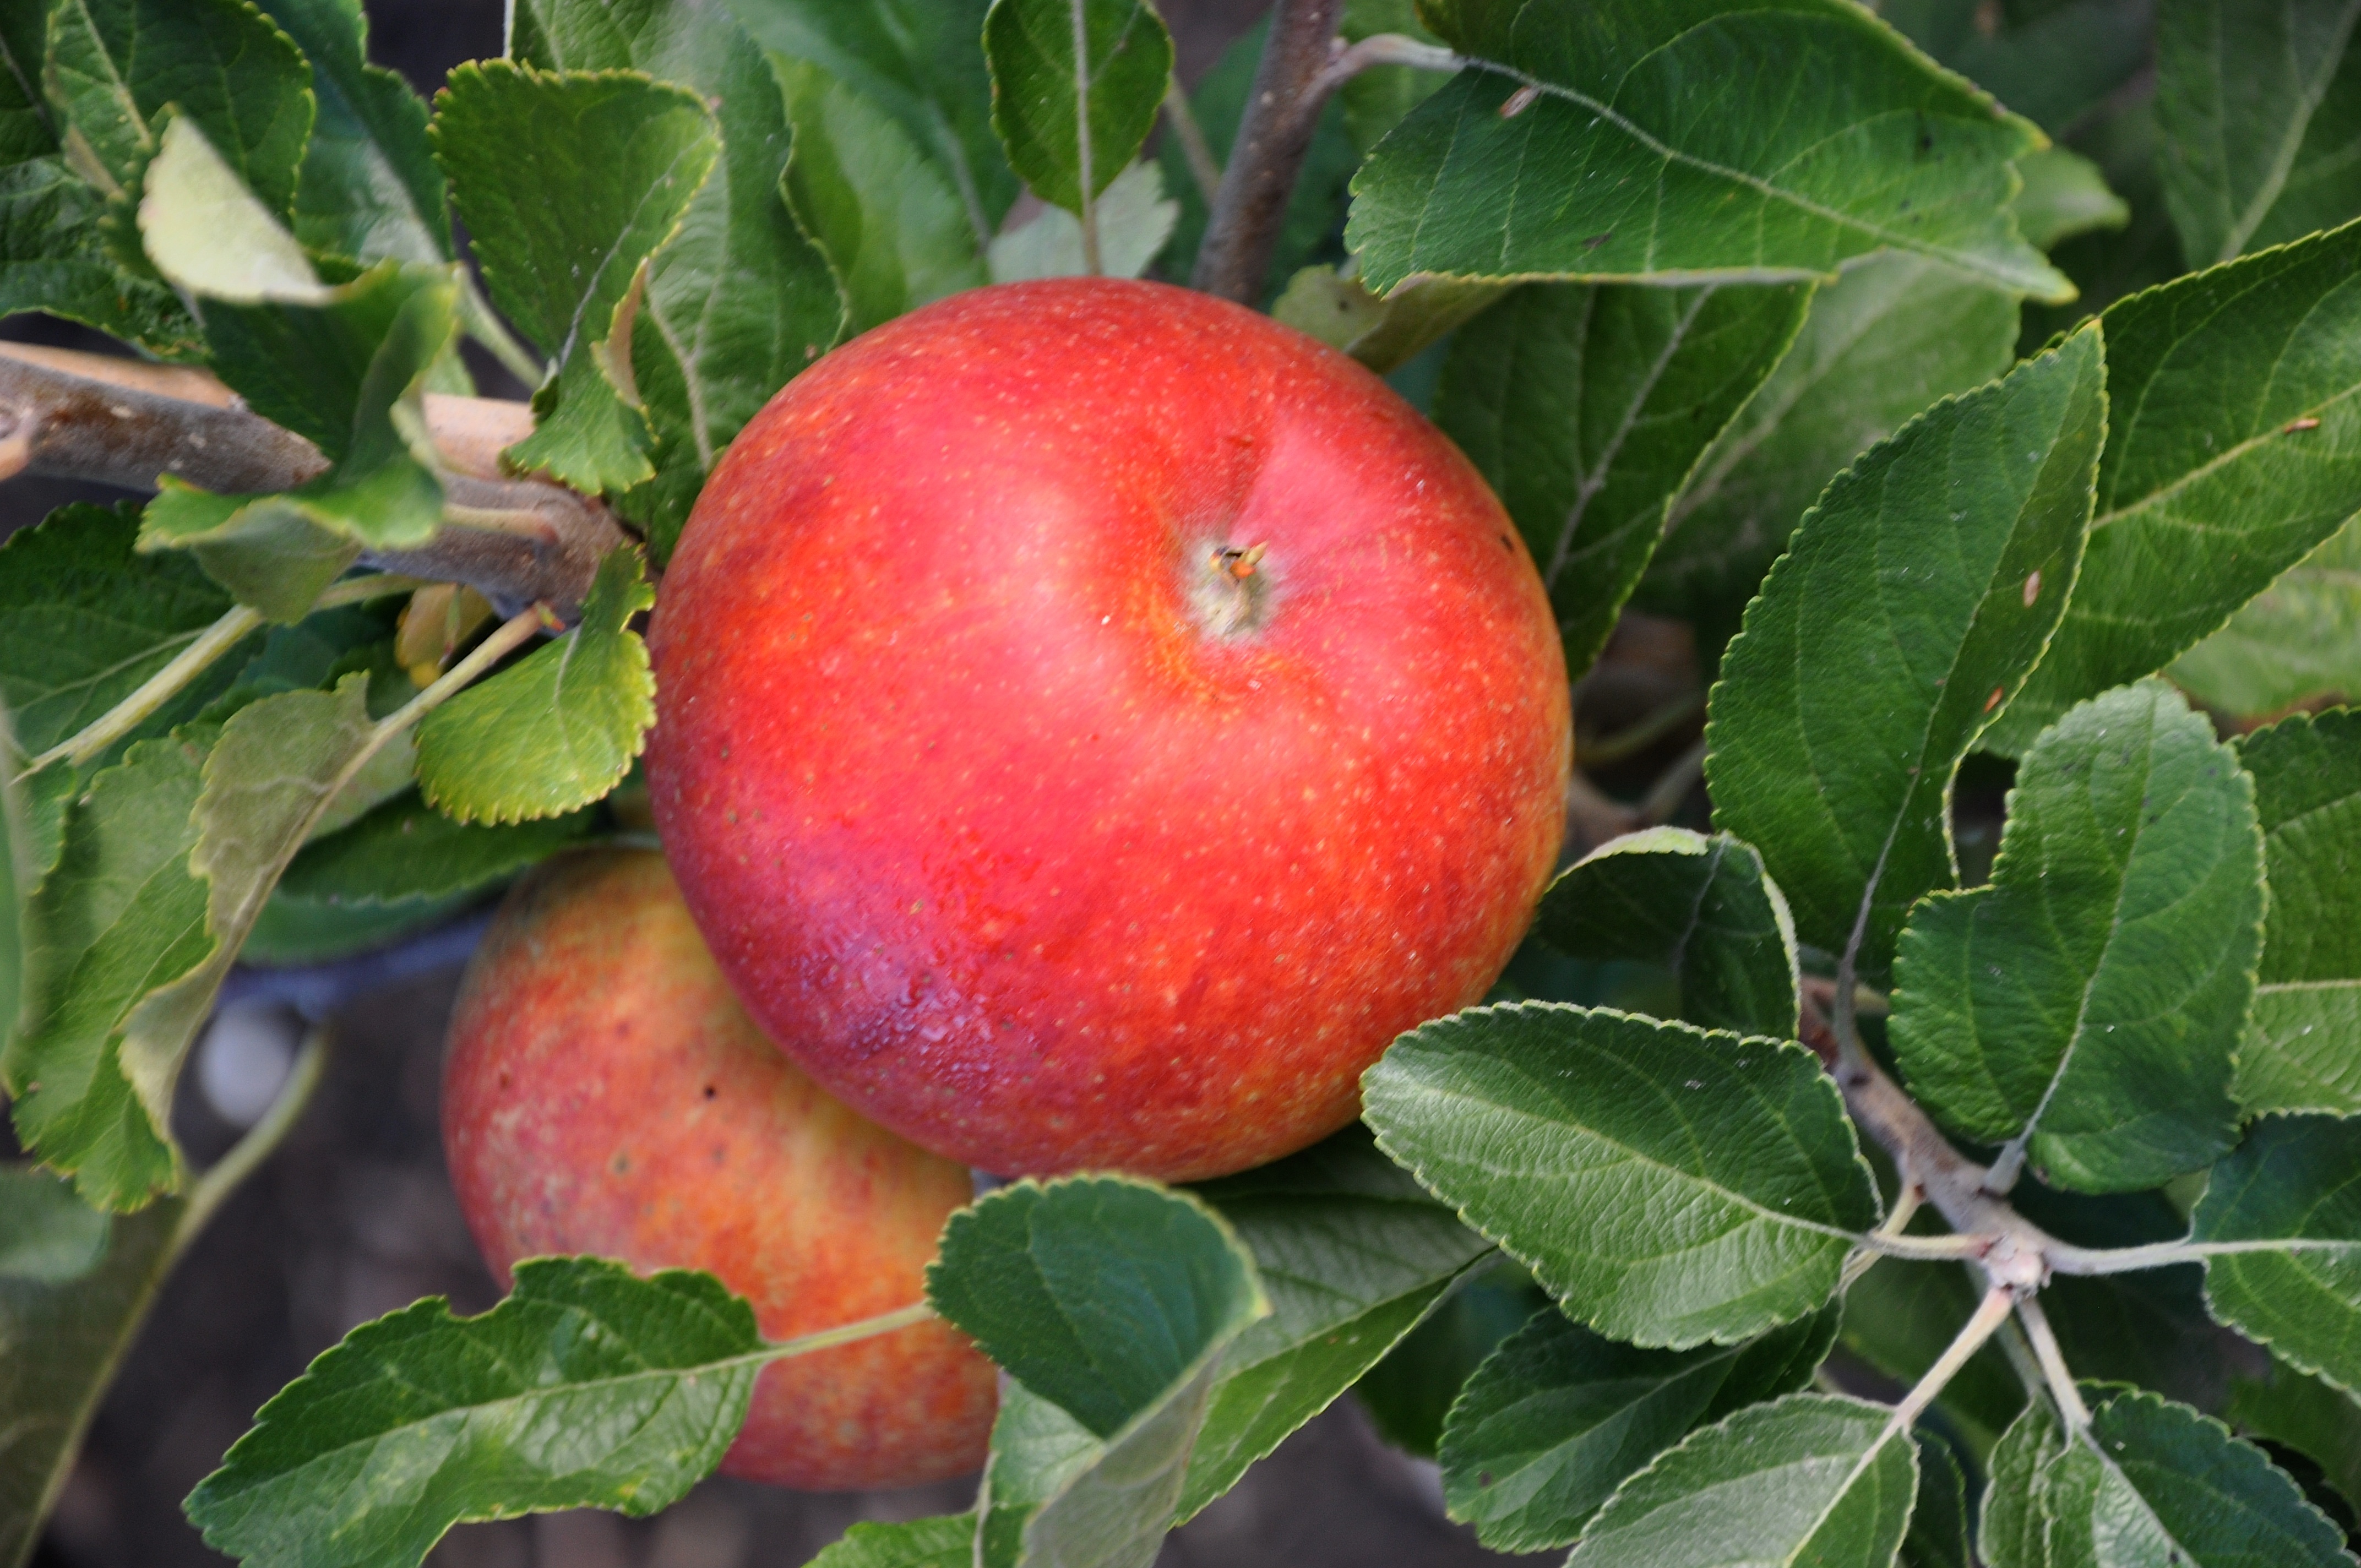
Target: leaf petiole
(1990, 1315)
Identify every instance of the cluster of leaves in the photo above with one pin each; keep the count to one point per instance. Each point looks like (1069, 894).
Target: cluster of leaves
(1724, 300)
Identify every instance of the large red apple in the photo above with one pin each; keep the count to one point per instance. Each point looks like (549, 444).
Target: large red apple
(605, 1094)
(1093, 720)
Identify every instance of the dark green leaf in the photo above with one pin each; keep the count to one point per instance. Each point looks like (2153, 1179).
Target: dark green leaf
(1657, 146)
(569, 184)
(1700, 907)
(1811, 1478)
(52, 259)
(1668, 1185)
(558, 729)
(47, 1236)
(1555, 1420)
(1409, 1393)
(1075, 84)
(2317, 1420)
(2282, 1223)
(1098, 1293)
(84, 620)
(369, 188)
(2051, 60)
(948, 1543)
(402, 867)
(741, 300)
(2153, 1485)
(918, 62)
(891, 221)
(2216, 477)
(2085, 1006)
(1937, 1537)
(1110, 1302)
(1353, 1255)
(1884, 341)
(2260, 105)
(2302, 1046)
(1587, 408)
(1916, 597)
(587, 1387)
(2298, 639)
(80, 1327)
(122, 915)
(113, 65)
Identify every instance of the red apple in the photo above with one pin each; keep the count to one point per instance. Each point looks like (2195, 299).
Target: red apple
(605, 1095)
(1093, 720)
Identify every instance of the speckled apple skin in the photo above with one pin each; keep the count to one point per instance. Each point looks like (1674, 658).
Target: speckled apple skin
(988, 828)
(605, 1094)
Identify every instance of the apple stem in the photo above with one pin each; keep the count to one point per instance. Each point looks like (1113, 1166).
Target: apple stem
(1232, 601)
(1282, 108)
(90, 416)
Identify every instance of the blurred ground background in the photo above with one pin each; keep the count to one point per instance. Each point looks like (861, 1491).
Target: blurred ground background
(354, 1217)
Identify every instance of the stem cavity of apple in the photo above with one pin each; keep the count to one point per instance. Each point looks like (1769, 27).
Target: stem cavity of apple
(1232, 594)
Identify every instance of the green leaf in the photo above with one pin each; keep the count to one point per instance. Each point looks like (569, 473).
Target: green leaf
(1915, 596)
(1937, 1537)
(890, 221)
(113, 65)
(569, 184)
(1559, 1416)
(402, 867)
(1134, 220)
(47, 1236)
(1812, 1478)
(1384, 334)
(1353, 1255)
(122, 914)
(2318, 1421)
(53, 258)
(84, 620)
(1668, 1185)
(1314, 223)
(1075, 85)
(586, 1387)
(1587, 407)
(369, 188)
(917, 63)
(81, 1327)
(1110, 1301)
(2215, 479)
(742, 299)
(2280, 1221)
(558, 729)
(1891, 336)
(1652, 148)
(2298, 639)
(2303, 1046)
(1701, 907)
(2154, 1485)
(2050, 61)
(2065, 194)
(1409, 1393)
(946, 1542)
(2085, 1006)
(1098, 1293)
(2260, 106)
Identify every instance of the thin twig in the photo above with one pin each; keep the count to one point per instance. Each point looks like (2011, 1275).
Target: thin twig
(1195, 150)
(88, 416)
(1283, 109)
(1990, 1315)
(1383, 49)
(1905, 1206)
(2052, 1361)
(190, 662)
(1634, 738)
